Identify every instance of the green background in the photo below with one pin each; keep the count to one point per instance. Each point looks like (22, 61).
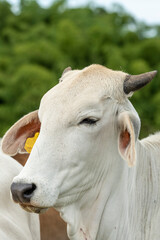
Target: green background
(36, 45)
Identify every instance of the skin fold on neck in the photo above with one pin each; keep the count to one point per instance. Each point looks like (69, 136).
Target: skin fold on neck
(121, 205)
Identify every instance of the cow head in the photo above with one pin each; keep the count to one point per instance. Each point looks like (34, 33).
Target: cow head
(86, 126)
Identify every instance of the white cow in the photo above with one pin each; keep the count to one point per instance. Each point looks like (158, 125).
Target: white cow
(87, 128)
(15, 224)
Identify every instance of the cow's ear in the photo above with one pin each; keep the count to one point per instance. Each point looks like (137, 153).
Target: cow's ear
(15, 138)
(128, 131)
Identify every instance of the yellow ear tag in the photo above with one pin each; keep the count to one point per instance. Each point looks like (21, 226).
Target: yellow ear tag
(30, 142)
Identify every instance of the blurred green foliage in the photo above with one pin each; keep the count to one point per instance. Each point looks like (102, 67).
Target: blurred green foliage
(36, 45)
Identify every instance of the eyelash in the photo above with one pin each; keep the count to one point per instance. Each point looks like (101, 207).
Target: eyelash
(89, 121)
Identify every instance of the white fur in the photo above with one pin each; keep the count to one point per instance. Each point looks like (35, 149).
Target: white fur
(15, 223)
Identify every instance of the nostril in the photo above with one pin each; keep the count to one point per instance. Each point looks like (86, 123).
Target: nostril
(22, 192)
(27, 193)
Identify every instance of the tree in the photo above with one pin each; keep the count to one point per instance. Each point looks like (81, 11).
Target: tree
(36, 45)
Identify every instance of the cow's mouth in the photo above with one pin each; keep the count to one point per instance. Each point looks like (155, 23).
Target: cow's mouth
(32, 209)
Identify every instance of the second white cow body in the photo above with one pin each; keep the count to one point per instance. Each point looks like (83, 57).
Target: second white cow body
(15, 223)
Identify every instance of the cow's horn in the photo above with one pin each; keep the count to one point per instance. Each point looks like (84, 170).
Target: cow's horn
(135, 82)
(66, 70)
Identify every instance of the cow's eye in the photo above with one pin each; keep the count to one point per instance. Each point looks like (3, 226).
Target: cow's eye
(89, 121)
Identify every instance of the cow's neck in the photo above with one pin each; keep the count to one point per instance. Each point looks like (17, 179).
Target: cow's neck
(85, 216)
(137, 203)
(122, 205)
